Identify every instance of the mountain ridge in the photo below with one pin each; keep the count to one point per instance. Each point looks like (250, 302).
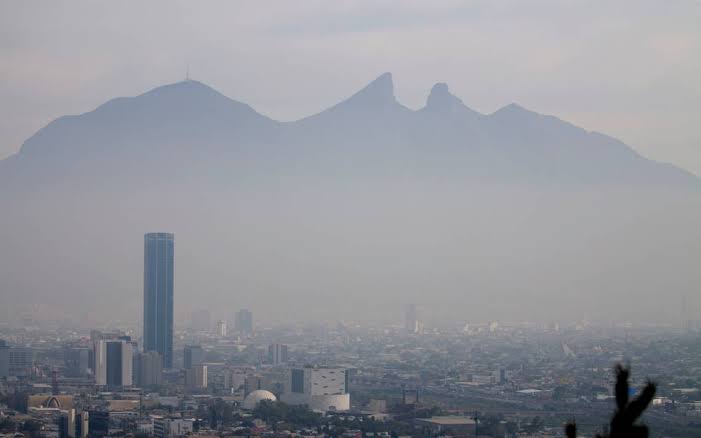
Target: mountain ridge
(193, 118)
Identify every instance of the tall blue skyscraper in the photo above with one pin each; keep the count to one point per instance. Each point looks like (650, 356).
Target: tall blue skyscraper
(158, 295)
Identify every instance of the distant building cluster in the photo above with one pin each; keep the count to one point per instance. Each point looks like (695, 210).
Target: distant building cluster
(208, 379)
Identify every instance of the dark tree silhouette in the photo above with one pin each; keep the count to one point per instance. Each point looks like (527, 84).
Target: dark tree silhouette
(626, 413)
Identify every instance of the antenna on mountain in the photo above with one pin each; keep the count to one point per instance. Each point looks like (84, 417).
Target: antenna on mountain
(187, 71)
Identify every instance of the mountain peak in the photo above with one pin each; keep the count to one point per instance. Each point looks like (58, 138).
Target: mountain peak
(379, 92)
(512, 108)
(441, 99)
(514, 112)
(186, 88)
(188, 96)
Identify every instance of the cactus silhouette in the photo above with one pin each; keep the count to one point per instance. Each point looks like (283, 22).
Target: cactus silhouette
(627, 412)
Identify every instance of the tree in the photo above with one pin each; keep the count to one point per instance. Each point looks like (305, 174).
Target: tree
(32, 428)
(627, 412)
(7, 425)
(273, 412)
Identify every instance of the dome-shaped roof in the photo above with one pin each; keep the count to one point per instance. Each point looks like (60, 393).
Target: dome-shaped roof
(256, 397)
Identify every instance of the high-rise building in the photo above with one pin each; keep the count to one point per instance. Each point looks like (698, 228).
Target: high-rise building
(73, 424)
(196, 377)
(148, 368)
(15, 361)
(159, 249)
(320, 388)
(99, 423)
(98, 335)
(82, 424)
(76, 360)
(193, 355)
(252, 383)
(277, 354)
(244, 322)
(221, 328)
(234, 379)
(113, 362)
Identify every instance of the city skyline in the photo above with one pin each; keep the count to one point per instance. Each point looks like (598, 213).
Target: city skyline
(394, 218)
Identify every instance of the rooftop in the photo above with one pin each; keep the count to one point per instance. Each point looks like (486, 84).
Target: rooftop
(448, 420)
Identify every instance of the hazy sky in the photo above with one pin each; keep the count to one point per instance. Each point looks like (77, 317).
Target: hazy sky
(630, 69)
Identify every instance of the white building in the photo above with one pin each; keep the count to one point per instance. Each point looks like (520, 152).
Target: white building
(277, 354)
(321, 388)
(165, 427)
(74, 425)
(252, 399)
(221, 328)
(113, 362)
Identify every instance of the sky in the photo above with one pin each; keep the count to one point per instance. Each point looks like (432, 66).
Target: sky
(629, 69)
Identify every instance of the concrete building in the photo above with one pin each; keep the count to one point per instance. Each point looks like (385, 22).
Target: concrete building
(376, 405)
(165, 427)
(76, 360)
(235, 379)
(221, 328)
(49, 401)
(159, 249)
(113, 363)
(74, 424)
(196, 377)
(193, 355)
(274, 380)
(252, 382)
(15, 361)
(148, 370)
(277, 354)
(244, 322)
(99, 423)
(321, 388)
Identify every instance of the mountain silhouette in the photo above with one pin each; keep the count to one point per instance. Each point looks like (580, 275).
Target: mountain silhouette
(368, 133)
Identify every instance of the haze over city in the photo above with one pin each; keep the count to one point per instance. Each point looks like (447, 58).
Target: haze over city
(409, 208)
(350, 219)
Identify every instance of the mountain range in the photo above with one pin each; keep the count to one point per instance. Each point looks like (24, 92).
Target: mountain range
(349, 213)
(368, 134)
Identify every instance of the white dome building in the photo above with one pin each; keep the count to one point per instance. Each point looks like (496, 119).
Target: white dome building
(255, 397)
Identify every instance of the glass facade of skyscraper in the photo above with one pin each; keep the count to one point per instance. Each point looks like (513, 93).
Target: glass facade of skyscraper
(159, 251)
